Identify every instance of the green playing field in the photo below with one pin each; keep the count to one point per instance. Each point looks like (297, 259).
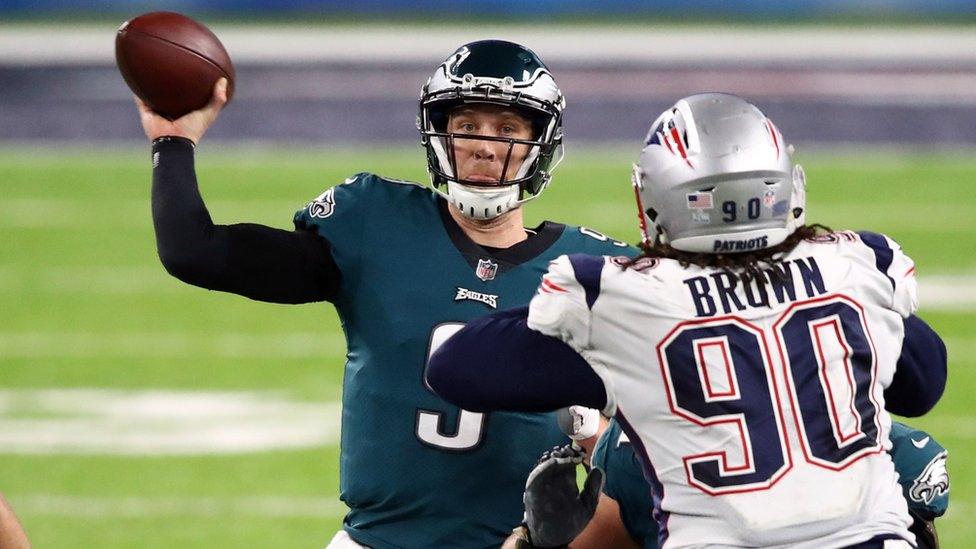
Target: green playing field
(136, 411)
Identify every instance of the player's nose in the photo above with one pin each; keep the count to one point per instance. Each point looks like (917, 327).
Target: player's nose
(484, 149)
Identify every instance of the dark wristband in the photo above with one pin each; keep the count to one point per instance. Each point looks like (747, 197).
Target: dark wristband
(172, 142)
(179, 154)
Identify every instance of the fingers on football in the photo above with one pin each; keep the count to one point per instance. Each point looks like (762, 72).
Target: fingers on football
(219, 93)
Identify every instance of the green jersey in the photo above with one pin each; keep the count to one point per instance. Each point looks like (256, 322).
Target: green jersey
(416, 471)
(624, 482)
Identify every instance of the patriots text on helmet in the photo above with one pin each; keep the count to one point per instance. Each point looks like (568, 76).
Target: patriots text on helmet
(741, 245)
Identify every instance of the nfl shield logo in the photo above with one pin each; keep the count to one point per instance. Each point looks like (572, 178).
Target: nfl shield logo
(486, 269)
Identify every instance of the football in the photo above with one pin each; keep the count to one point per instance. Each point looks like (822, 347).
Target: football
(171, 62)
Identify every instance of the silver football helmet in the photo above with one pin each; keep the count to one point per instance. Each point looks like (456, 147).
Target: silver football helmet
(500, 73)
(715, 176)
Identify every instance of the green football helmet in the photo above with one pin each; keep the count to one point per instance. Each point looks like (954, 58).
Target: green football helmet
(499, 73)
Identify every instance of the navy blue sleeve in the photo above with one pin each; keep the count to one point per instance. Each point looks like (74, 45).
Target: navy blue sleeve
(588, 270)
(920, 375)
(883, 254)
(498, 363)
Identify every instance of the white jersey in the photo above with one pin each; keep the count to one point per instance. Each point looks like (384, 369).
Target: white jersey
(758, 410)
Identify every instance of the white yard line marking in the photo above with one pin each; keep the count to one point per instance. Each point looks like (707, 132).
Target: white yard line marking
(936, 293)
(170, 345)
(947, 293)
(116, 422)
(60, 505)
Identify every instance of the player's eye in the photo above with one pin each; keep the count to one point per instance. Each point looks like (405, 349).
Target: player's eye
(466, 127)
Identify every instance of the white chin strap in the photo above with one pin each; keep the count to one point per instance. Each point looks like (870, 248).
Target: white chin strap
(440, 150)
(527, 163)
(482, 203)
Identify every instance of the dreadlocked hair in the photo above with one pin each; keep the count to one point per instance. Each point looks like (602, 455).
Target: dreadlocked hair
(748, 265)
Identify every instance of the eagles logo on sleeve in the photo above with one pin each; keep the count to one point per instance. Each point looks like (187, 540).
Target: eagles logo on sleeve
(932, 482)
(323, 206)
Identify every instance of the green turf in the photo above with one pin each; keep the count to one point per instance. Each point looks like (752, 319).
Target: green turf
(86, 304)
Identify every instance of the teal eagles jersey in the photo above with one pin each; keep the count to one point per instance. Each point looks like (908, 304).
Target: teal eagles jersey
(416, 471)
(624, 482)
(919, 460)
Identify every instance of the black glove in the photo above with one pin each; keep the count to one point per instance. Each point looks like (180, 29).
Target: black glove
(555, 510)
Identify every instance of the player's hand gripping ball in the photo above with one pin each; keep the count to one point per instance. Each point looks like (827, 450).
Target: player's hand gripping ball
(171, 62)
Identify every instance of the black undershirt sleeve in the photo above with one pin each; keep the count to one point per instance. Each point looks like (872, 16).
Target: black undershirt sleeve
(255, 261)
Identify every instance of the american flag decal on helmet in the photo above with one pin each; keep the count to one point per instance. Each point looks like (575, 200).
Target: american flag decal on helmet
(701, 200)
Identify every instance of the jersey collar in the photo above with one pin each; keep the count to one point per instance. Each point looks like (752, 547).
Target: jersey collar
(539, 240)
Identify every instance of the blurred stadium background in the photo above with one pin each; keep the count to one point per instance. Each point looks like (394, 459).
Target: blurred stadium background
(139, 412)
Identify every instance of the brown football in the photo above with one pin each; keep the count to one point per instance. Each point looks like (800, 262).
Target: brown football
(171, 62)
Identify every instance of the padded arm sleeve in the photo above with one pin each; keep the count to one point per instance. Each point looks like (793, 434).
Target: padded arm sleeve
(255, 261)
(920, 375)
(498, 363)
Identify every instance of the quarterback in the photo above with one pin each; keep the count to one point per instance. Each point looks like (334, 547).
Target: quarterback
(751, 359)
(405, 267)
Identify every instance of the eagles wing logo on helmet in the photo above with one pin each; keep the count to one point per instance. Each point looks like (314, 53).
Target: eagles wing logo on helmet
(932, 482)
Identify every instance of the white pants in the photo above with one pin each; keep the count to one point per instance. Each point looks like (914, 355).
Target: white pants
(342, 541)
